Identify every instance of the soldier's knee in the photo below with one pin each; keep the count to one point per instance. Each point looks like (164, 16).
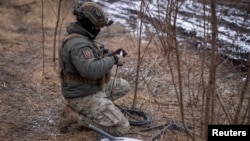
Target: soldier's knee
(123, 128)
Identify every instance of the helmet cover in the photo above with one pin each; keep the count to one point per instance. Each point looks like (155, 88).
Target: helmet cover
(94, 13)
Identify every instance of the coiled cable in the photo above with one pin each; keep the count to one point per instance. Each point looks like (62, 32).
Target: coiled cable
(136, 117)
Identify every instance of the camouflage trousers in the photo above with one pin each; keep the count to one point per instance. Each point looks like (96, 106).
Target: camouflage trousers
(99, 110)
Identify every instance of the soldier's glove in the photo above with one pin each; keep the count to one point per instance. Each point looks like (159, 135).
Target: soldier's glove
(119, 50)
(119, 60)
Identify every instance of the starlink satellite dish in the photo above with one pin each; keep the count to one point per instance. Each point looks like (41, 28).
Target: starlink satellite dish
(121, 139)
(110, 137)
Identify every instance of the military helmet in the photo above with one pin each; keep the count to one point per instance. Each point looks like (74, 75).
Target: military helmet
(93, 12)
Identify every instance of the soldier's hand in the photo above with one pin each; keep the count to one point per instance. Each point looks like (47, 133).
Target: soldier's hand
(119, 60)
(119, 50)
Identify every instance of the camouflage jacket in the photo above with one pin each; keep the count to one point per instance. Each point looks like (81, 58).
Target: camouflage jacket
(83, 64)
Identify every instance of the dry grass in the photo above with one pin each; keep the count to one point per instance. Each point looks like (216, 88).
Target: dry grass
(30, 100)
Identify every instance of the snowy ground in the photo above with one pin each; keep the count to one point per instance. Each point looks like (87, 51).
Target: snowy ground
(232, 23)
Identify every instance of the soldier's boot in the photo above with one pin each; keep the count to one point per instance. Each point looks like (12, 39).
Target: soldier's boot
(68, 117)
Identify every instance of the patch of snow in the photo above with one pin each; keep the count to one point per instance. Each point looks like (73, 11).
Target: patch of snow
(190, 18)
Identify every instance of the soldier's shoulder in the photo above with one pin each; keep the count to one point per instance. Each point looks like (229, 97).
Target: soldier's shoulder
(75, 37)
(77, 41)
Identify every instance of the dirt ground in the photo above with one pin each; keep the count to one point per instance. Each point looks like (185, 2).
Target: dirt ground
(30, 98)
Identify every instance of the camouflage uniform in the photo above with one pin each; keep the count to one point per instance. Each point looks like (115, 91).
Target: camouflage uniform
(99, 110)
(86, 85)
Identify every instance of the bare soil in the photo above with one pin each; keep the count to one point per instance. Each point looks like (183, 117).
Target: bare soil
(30, 97)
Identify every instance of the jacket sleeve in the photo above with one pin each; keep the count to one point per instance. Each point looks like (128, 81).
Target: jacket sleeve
(90, 66)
